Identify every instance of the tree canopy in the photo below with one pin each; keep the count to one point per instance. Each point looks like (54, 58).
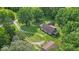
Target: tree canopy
(64, 20)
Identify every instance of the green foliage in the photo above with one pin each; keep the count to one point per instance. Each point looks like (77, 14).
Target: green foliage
(25, 15)
(67, 14)
(50, 12)
(72, 38)
(70, 27)
(28, 15)
(10, 30)
(4, 37)
(15, 9)
(37, 14)
(70, 41)
(66, 47)
(21, 35)
(65, 19)
(6, 16)
(19, 45)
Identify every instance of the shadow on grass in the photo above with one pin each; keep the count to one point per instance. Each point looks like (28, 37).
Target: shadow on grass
(30, 30)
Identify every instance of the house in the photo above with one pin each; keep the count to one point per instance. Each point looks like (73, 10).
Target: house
(48, 45)
(49, 29)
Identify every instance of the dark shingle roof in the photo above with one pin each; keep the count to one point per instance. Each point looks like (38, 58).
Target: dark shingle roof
(48, 28)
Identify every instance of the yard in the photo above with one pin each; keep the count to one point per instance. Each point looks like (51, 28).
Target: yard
(36, 35)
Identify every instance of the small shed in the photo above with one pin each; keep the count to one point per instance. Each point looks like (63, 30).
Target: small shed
(49, 28)
(48, 45)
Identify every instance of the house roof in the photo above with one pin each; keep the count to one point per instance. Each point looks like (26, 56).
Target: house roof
(49, 45)
(48, 28)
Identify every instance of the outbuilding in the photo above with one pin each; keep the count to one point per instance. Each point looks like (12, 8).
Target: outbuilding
(49, 45)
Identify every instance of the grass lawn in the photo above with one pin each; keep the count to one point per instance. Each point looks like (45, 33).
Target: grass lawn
(34, 34)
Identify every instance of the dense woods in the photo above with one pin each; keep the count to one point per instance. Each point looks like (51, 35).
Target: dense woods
(20, 28)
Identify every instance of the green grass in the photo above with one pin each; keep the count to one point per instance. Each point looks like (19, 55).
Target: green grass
(35, 34)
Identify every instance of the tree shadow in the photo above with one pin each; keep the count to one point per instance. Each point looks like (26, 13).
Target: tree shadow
(30, 30)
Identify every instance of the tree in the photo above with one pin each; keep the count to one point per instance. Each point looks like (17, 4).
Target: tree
(15, 9)
(25, 15)
(10, 30)
(67, 14)
(66, 47)
(4, 37)
(70, 41)
(37, 14)
(6, 16)
(50, 12)
(70, 27)
(19, 45)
